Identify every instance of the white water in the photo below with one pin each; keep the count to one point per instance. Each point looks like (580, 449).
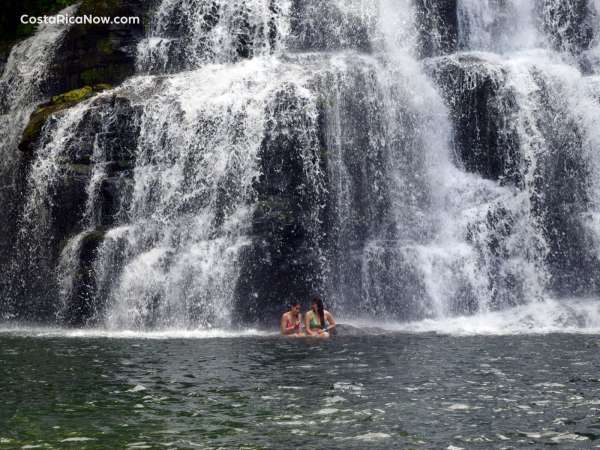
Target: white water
(99, 333)
(544, 317)
(20, 83)
(538, 78)
(190, 208)
(211, 32)
(568, 316)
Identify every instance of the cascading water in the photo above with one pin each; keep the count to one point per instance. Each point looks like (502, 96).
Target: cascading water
(22, 80)
(21, 89)
(407, 161)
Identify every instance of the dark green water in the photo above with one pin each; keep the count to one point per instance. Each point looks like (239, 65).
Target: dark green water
(378, 392)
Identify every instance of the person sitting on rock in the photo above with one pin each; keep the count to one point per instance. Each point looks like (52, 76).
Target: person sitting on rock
(319, 322)
(291, 322)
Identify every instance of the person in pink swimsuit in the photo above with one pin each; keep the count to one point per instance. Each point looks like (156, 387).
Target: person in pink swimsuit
(291, 322)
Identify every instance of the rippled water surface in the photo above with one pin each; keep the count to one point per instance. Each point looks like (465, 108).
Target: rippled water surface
(416, 391)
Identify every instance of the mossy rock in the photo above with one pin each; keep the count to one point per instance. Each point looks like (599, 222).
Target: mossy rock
(72, 97)
(58, 103)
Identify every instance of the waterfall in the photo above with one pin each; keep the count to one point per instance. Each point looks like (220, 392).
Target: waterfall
(405, 160)
(21, 83)
(188, 34)
(22, 87)
(540, 107)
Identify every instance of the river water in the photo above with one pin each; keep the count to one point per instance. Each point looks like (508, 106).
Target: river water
(78, 389)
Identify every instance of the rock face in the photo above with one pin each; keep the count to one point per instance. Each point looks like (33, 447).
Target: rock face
(570, 25)
(80, 306)
(438, 27)
(323, 25)
(105, 140)
(563, 197)
(11, 28)
(481, 106)
(3, 59)
(87, 58)
(106, 53)
(58, 103)
(283, 263)
(490, 140)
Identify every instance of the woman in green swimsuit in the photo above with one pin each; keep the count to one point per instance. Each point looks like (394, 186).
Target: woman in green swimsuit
(318, 322)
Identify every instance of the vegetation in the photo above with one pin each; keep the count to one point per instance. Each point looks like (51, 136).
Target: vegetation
(58, 103)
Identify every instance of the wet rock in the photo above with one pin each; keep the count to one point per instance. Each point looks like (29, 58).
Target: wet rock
(3, 59)
(282, 263)
(186, 34)
(343, 329)
(481, 107)
(105, 53)
(324, 25)
(11, 28)
(105, 139)
(80, 307)
(103, 143)
(569, 25)
(46, 110)
(365, 145)
(438, 27)
(492, 237)
(562, 197)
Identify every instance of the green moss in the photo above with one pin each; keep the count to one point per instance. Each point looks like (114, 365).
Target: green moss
(74, 96)
(58, 103)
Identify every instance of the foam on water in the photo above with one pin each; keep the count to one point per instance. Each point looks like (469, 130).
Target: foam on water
(549, 316)
(97, 333)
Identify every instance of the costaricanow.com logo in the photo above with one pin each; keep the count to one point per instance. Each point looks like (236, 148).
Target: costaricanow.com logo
(87, 19)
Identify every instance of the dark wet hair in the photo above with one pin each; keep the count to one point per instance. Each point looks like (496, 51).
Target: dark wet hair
(320, 309)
